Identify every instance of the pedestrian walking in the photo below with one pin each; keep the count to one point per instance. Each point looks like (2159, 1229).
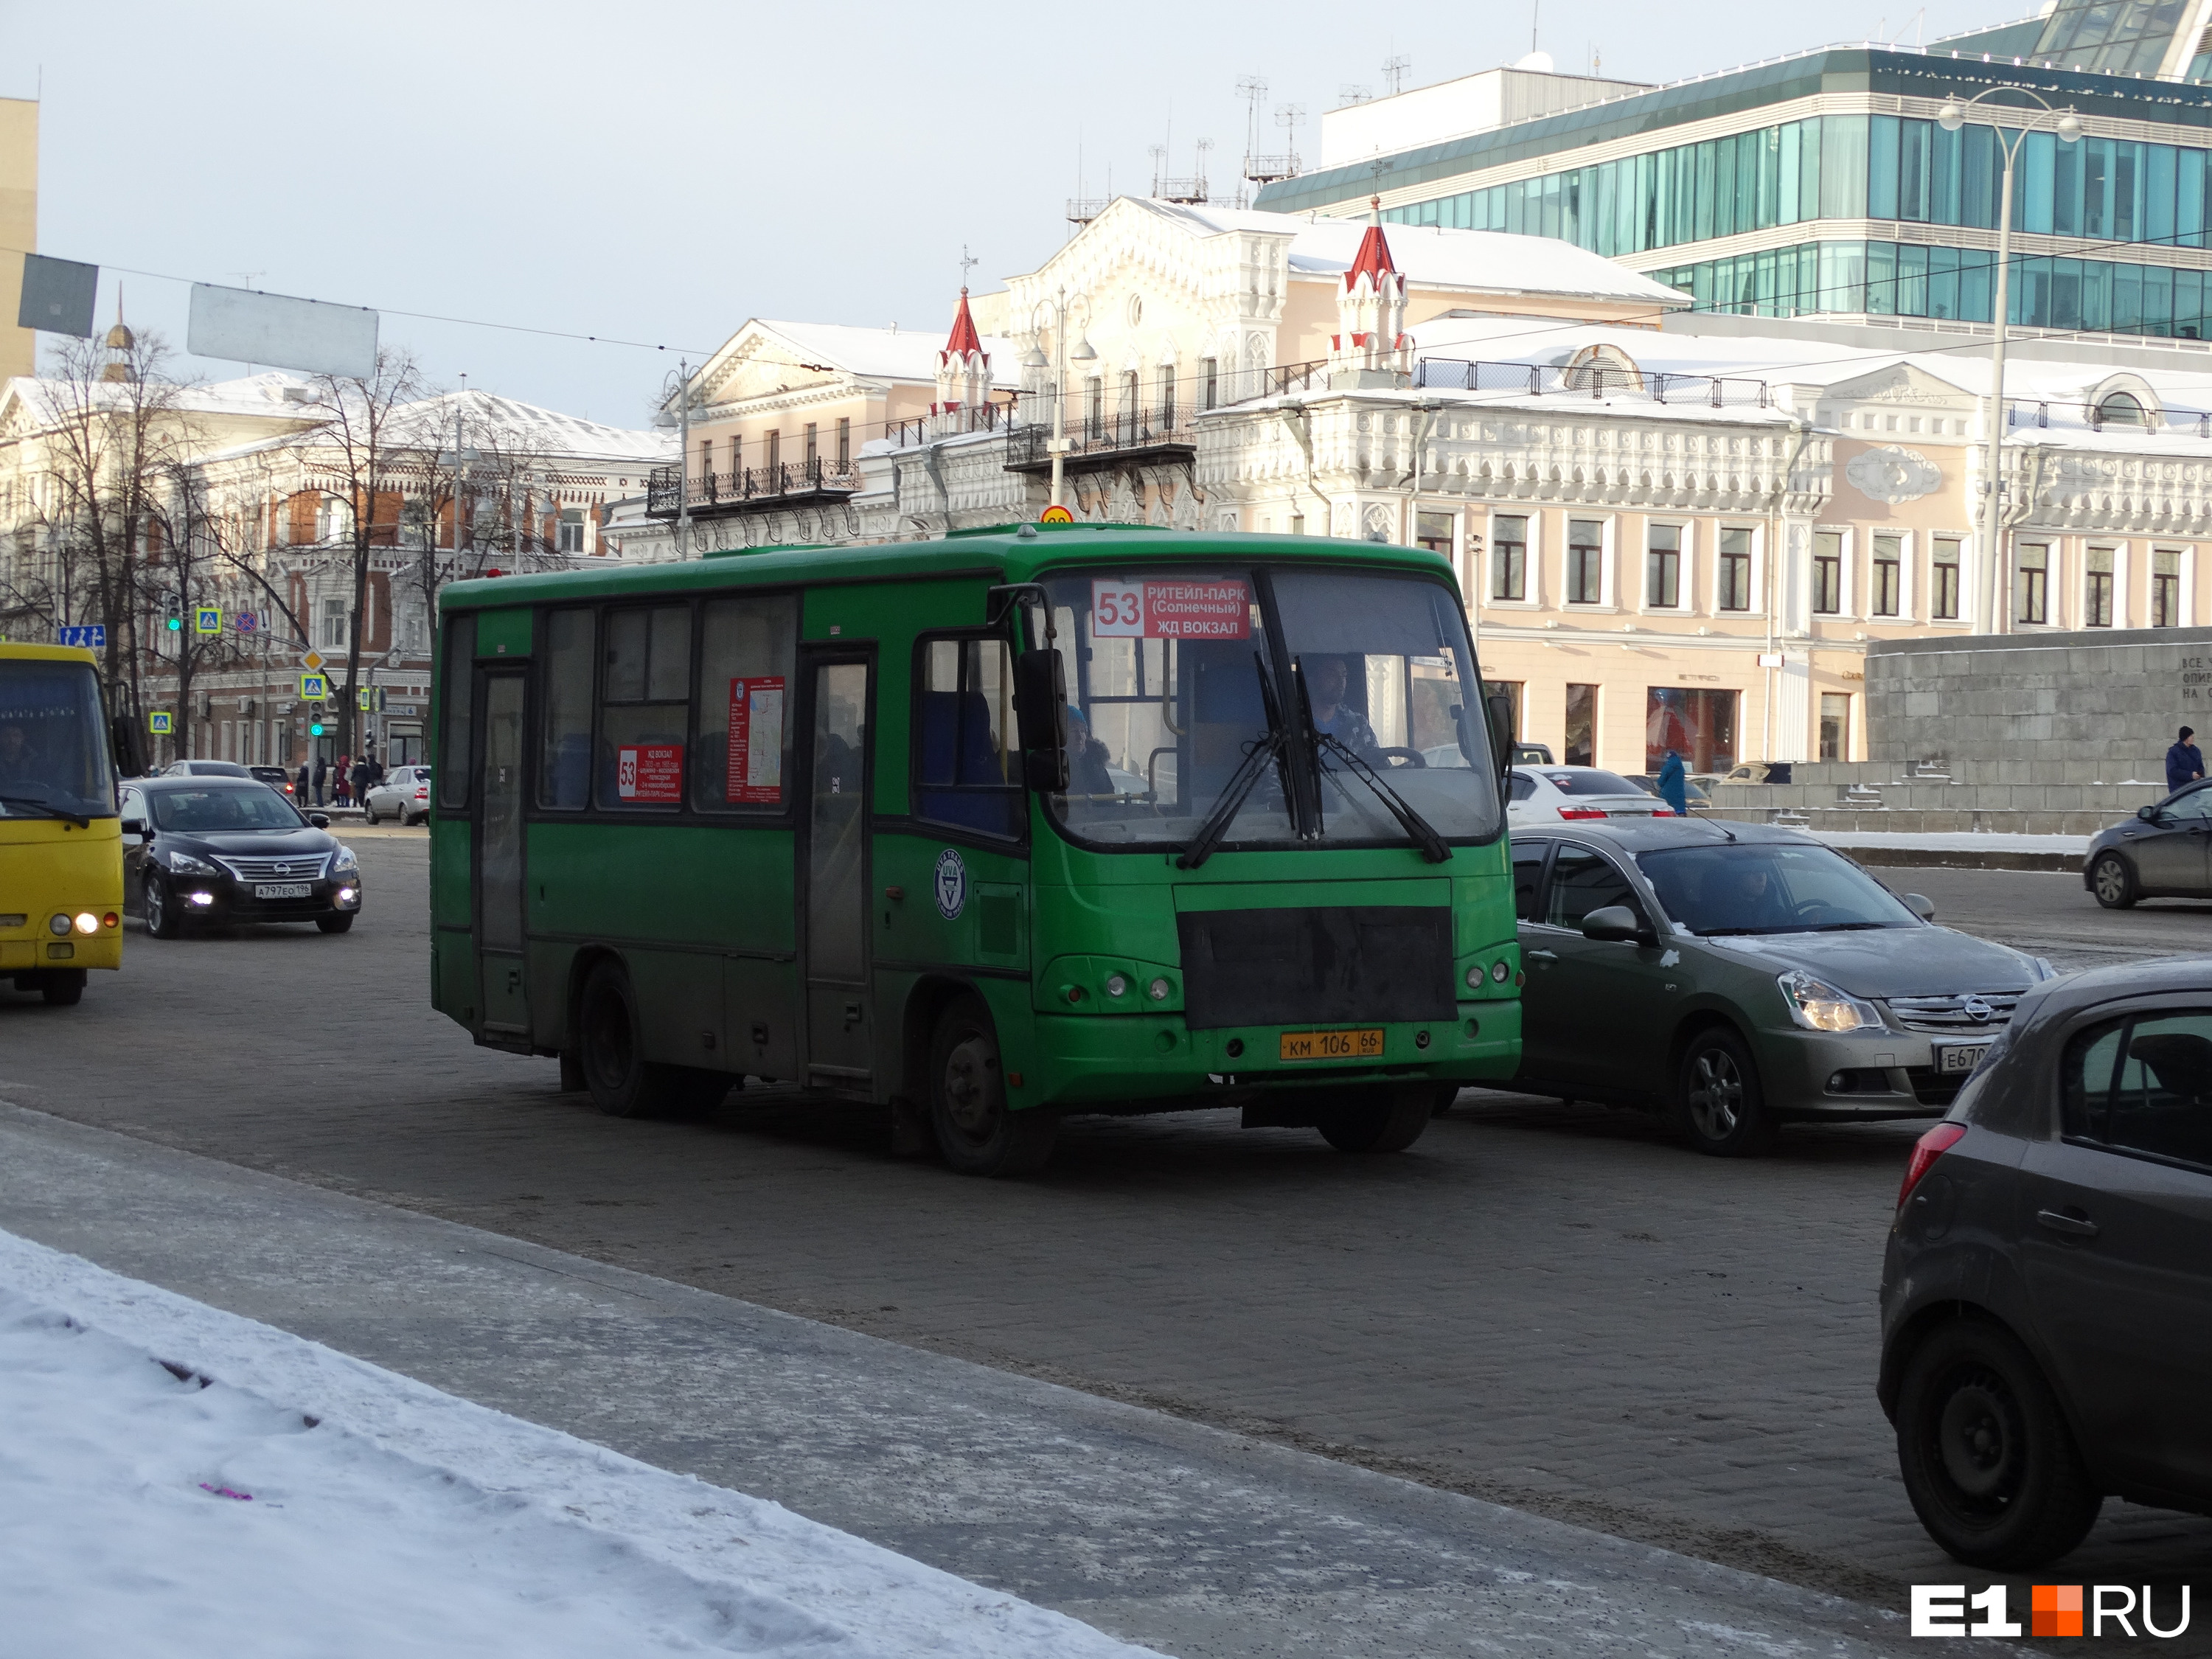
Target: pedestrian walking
(2184, 762)
(322, 777)
(307, 784)
(360, 780)
(1674, 784)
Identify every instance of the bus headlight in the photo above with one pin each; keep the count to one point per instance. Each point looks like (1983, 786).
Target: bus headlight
(1117, 985)
(86, 922)
(58, 926)
(1157, 990)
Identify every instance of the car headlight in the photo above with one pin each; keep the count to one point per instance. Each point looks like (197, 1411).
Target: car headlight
(186, 865)
(345, 863)
(1819, 1006)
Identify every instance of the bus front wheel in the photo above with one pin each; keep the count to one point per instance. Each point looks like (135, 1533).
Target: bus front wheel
(1381, 1120)
(61, 987)
(976, 1131)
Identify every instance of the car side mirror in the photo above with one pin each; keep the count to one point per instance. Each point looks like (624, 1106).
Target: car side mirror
(320, 820)
(2147, 814)
(1616, 924)
(1041, 713)
(135, 827)
(1920, 907)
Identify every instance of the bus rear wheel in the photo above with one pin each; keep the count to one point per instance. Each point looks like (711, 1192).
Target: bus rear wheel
(611, 1053)
(976, 1131)
(1380, 1120)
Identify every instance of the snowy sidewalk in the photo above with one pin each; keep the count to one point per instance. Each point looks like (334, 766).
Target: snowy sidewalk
(293, 1500)
(1187, 1539)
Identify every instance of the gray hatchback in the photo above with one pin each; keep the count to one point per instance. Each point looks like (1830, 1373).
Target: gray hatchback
(1738, 975)
(2047, 1305)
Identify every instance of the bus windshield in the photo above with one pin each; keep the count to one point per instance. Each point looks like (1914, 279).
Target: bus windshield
(1178, 678)
(53, 752)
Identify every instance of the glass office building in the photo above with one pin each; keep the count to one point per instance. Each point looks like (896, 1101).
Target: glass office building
(1890, 213)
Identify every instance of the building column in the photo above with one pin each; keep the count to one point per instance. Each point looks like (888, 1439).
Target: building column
(1793, 707)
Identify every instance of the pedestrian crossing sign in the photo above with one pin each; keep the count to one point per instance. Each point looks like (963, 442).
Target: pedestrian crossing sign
(157, 722)
(207, 619)
(314, 688)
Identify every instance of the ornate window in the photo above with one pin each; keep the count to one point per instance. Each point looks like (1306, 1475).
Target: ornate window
(1943, 579)
(2166, 588)
(2030, 583)
(1828, 572)
(1733, 573)
(1886, 589)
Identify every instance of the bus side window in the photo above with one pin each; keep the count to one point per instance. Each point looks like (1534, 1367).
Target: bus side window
(564, 766)
(741, 744)
(964, 717)
(456, 761)
(645, 707)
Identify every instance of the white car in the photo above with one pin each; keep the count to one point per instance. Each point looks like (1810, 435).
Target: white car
(404, 793)
(1546, 794)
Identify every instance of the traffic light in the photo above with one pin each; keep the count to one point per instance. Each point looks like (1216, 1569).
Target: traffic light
(315, 721)
(176, 614)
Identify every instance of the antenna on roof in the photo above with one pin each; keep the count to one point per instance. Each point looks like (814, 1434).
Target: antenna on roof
(1396, 68)
(1266, 169)
(1349, 92)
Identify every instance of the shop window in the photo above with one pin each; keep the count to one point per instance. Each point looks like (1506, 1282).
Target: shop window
(1585, 561)
(1943, 579)
(1734, 573)
(2031, 584)
(741, 735)
(1835, 725)
(2166, 588)
(1662, 565)
(1581, 746)
(1828, 572)
(1508, 557)
(1696, 724)
(1886, 596)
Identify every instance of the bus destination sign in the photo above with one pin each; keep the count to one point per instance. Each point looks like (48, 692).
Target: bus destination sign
(757, 741)
(1170, 611)
(649, 772)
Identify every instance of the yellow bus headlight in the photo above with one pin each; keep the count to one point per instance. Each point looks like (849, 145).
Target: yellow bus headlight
(86, 922)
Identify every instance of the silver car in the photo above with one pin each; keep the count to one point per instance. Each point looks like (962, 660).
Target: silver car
(1735, 976)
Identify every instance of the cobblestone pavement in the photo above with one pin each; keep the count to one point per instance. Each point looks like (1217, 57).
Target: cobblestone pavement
(1552, 1307)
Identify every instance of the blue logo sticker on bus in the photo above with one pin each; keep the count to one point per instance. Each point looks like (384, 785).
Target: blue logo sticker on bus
(951, 885)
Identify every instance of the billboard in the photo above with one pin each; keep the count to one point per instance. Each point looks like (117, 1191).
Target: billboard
(278, 331)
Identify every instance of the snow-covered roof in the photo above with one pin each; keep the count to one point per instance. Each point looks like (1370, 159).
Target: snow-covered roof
(1431, 256)
(875, 354)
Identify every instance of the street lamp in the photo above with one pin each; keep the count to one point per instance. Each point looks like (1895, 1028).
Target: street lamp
(1989, 606)
(1035, 359)
(681, 422)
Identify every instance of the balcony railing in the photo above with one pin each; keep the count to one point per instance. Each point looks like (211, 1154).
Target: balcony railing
(1164, 431)
(972, 417)
(755, 487)
(1589, 380)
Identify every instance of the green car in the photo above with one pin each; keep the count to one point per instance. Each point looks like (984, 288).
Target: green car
(1737, 976)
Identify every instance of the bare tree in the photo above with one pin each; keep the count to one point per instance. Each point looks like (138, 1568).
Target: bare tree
(369, 433)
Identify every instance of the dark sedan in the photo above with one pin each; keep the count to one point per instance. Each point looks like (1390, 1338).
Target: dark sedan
(2165, 851)
(218, 849)
(2047, 1300)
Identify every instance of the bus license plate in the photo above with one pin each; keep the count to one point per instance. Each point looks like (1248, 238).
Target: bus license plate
(1333, 1045)
(277, 889)
(1959, 1056)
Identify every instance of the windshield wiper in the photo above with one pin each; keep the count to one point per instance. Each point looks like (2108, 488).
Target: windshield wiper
(1419, 829)
(47, 807)
(1257, 760)
(1846, 927)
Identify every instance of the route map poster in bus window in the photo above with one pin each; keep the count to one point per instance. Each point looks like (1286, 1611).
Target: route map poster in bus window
(757, 741)
(1171, 610)
(650, 772)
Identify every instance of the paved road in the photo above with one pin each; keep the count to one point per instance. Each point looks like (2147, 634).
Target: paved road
(2053, 916)
(1553, 1309)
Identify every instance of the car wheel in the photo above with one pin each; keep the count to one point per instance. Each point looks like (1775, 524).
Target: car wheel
(163, 920)
(61, 987)
(2113, 883)
(1988, 1461)
(978, 1133)
(1380, 1120)
(340, 923)
(1718, 1104)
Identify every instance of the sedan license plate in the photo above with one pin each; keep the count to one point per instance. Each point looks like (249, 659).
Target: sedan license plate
(1333, 1045)
(1954, 1057)
(282, 889)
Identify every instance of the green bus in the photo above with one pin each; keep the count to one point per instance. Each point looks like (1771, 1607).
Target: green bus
(989, 829)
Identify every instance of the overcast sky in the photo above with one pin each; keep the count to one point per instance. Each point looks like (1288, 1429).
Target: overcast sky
(659, 172)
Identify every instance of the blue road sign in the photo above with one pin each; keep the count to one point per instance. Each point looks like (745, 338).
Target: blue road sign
(91, 636)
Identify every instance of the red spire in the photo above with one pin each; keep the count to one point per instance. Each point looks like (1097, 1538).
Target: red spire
(964, 338)
(1373, 260)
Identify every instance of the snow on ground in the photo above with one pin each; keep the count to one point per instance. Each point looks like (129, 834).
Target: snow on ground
(1962, 840)
(282, 1498)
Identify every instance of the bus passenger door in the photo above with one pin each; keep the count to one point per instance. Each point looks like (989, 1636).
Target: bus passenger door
(505, 1003)
(833, 873)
